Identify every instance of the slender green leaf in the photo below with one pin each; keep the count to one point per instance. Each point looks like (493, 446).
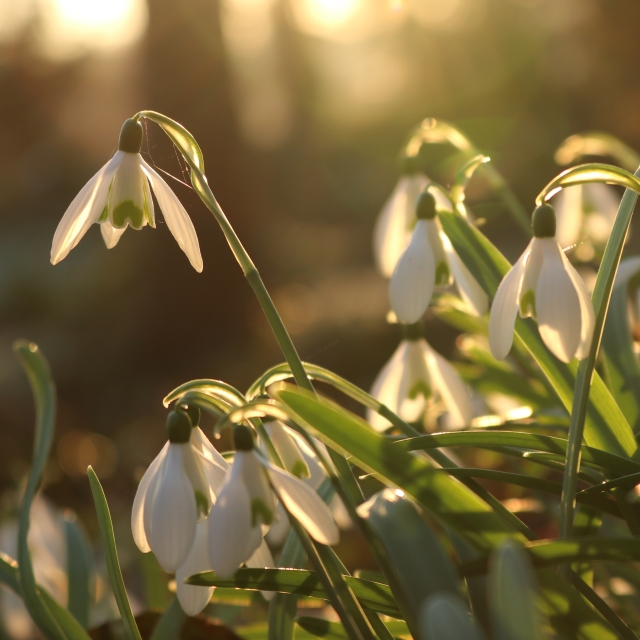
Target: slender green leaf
(170, 622)
(586, 524)
(513, 595)
(587, 173)
(69, 625)
(621, 361)
(44, 394)
(421, 567)
(606, 427)
(530, 441)
(79, 570)
(111, 556)
(372, 595)
(624, 481)
(321, 628)
(596, 143)
(445, 617)
(154, 580)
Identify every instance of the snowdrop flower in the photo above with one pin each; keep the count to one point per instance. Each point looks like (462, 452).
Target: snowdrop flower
(429, 261)
(414, 374)
(246, 507)
(543, 284)
(585, 212)
(176, 492)
(119, 195)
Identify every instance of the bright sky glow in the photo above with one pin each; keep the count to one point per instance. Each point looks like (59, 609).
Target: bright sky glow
(330, 12)
(73, 27)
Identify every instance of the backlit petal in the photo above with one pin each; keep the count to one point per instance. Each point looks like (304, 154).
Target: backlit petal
(201, 442)
(527, 297)
(557, 305)
(194, 599)
(413, 280)
(176, 217)
(262, 559)
(415, 382)
(504, 309)
(451, 389)
(137, 513)
(393, 226)
(385, 388)
(84, 210)
(305, 505)
(231, 535)
(174, 514)
(568, 204)
(110, 234)
(287, 449)
(127, 194)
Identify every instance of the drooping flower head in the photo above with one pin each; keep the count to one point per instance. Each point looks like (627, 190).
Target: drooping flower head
(429, 261)
(176, 492)
(414, 375)
(119, 196)
(246, 507)
(544, 285)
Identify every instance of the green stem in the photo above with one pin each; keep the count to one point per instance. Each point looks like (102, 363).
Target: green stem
(601, 297)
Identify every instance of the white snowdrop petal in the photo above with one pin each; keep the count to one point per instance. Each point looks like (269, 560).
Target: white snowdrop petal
(450, 387)
(413, 280)
(287, 449)
(439, 253)
(385, 388)
(230, 532)
(280, 528)
(568, 205)
(255, 479)
(415, 381)
(557, 305)
(305, 505)
(194, 599)
(84, 210)
(194, 467)
(174, 514)
(470, 291)
(261, 558)
(110, 234)
(176, 217)
(137, 513)
(587, 313)
(504, 309)
(127, 193)
(393, 226)
(201, 442)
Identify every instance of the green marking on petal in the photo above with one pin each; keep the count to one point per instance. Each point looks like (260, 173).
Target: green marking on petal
(202, 502)
(528, 304)
(104, 216)
(128, 212)
(442, 274)
(300, 469)
(259, 510)
(419, 388)
(148, 211)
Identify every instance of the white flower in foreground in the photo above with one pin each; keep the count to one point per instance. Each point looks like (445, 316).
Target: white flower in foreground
(176, 492)
(119, 195)
(246, 507)
(429, 261)
(414, 374)
(585, 212)
(543, 284)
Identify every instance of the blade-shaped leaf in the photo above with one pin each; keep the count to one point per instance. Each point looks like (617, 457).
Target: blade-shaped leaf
(79, 570)
(606, 427)
(444, 617)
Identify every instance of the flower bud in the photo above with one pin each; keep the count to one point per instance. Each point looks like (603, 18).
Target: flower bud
(426, 207)
(130, 136)
(178, 426)
(242, 438)
(544, 221)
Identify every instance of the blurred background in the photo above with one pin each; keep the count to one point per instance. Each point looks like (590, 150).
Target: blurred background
(301, 108)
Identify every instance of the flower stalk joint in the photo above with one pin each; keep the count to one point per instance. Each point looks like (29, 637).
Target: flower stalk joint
(242, 438)
(544, 221)
(426, 207)
(130, 136)
(178, 426)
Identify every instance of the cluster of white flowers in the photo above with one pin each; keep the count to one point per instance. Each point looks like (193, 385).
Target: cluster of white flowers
(198, 513)
(411, 248)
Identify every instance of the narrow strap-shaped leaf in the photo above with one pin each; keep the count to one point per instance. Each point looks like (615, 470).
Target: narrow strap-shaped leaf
(586, 523)
(111, 556)
(606, 427)
(69, 625)
(531, 441)
(170, 623)
(44, 394)
(79, 570)
(445, 617)
(372, 595)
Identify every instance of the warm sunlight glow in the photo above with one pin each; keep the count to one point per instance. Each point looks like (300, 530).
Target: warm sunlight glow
(330, 12)
(71, 27)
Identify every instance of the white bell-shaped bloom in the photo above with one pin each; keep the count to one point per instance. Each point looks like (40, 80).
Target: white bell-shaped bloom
(414, 374)
(585, 212)
(246, 507)
(176, 492)
(543, 284)
(429, 261)
(118, 196)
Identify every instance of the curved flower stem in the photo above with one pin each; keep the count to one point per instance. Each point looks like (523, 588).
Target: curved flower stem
(600, 298)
